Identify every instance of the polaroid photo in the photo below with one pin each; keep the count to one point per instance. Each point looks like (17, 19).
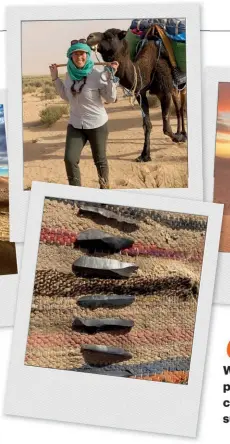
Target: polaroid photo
(116, 285)
(60, 105)
(4, 172)
(217, 165)
(9, 252)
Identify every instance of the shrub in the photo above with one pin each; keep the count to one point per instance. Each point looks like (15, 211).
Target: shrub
(47, 89)
(48, 82)
(49, 93)
(52, 114)
(37, 83)
(50, 96)
(29, 89)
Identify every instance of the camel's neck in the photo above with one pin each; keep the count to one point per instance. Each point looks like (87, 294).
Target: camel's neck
(126, 71)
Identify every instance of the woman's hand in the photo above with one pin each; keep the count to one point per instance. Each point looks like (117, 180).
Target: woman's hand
(108, 75)
(53, 71)
(115, 66)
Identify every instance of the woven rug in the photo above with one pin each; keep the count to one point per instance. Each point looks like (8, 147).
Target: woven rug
(168, 249)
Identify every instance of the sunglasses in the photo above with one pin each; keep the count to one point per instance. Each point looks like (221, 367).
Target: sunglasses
(73, 42)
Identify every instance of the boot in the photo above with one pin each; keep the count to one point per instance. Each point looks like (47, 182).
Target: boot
(104, 183)
(179, 77)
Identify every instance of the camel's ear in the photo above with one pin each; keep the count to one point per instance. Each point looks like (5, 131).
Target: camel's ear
(122, 35)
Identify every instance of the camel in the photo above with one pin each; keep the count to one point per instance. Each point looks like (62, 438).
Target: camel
(148, 72)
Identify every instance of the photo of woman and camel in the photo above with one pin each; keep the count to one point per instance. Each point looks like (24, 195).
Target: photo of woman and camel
(102, 118)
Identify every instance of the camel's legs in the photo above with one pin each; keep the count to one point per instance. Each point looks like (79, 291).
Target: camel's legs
(165, 100)
(179, 99)
(147, 126)
(182, 111)
(176, 101)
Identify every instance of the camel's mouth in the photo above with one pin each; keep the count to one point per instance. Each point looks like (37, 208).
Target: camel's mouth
(94, 47)
(93, 40)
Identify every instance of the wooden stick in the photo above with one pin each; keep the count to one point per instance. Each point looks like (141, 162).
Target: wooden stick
(97, 63)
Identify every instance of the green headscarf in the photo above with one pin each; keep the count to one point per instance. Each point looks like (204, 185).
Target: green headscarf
(78, 73)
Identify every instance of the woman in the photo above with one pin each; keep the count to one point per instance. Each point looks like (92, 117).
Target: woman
(84, 88)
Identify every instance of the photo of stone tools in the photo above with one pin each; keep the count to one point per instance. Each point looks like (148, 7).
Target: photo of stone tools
(116, 290)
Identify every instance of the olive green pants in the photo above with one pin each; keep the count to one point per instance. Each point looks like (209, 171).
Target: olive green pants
(76, 139)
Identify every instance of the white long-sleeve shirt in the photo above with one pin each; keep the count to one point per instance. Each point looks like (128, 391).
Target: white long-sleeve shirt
(86, 108)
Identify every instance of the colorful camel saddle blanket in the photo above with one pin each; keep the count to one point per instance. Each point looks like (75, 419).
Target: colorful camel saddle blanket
(169, 35)
(175, 28)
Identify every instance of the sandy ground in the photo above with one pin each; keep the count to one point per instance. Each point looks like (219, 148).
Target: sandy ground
(44, 149)
(4, 209)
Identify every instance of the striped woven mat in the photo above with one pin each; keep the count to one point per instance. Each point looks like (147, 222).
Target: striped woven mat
(168, 249)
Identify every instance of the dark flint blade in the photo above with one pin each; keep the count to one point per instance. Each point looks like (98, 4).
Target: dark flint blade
(94, 240)
(95, 325)
(105, 211)
(103, 268)
(101, 371)
(102, 353)
(114, 300)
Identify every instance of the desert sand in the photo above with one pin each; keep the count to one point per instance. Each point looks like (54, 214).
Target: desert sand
(44, 148)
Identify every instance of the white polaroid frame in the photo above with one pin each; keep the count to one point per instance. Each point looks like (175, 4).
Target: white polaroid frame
(211, 79)
(17, 14)
(97, 399)
(9, 282)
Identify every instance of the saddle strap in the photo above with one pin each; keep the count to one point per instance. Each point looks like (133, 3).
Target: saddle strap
(167, 45)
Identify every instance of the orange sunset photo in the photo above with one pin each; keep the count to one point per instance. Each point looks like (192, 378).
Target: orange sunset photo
(222, 162)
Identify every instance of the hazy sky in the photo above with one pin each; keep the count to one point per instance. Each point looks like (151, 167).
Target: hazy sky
(223, 121)
(46, 42)
(3, 148)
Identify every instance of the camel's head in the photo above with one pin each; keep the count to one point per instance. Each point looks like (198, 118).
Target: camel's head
(108, 43)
